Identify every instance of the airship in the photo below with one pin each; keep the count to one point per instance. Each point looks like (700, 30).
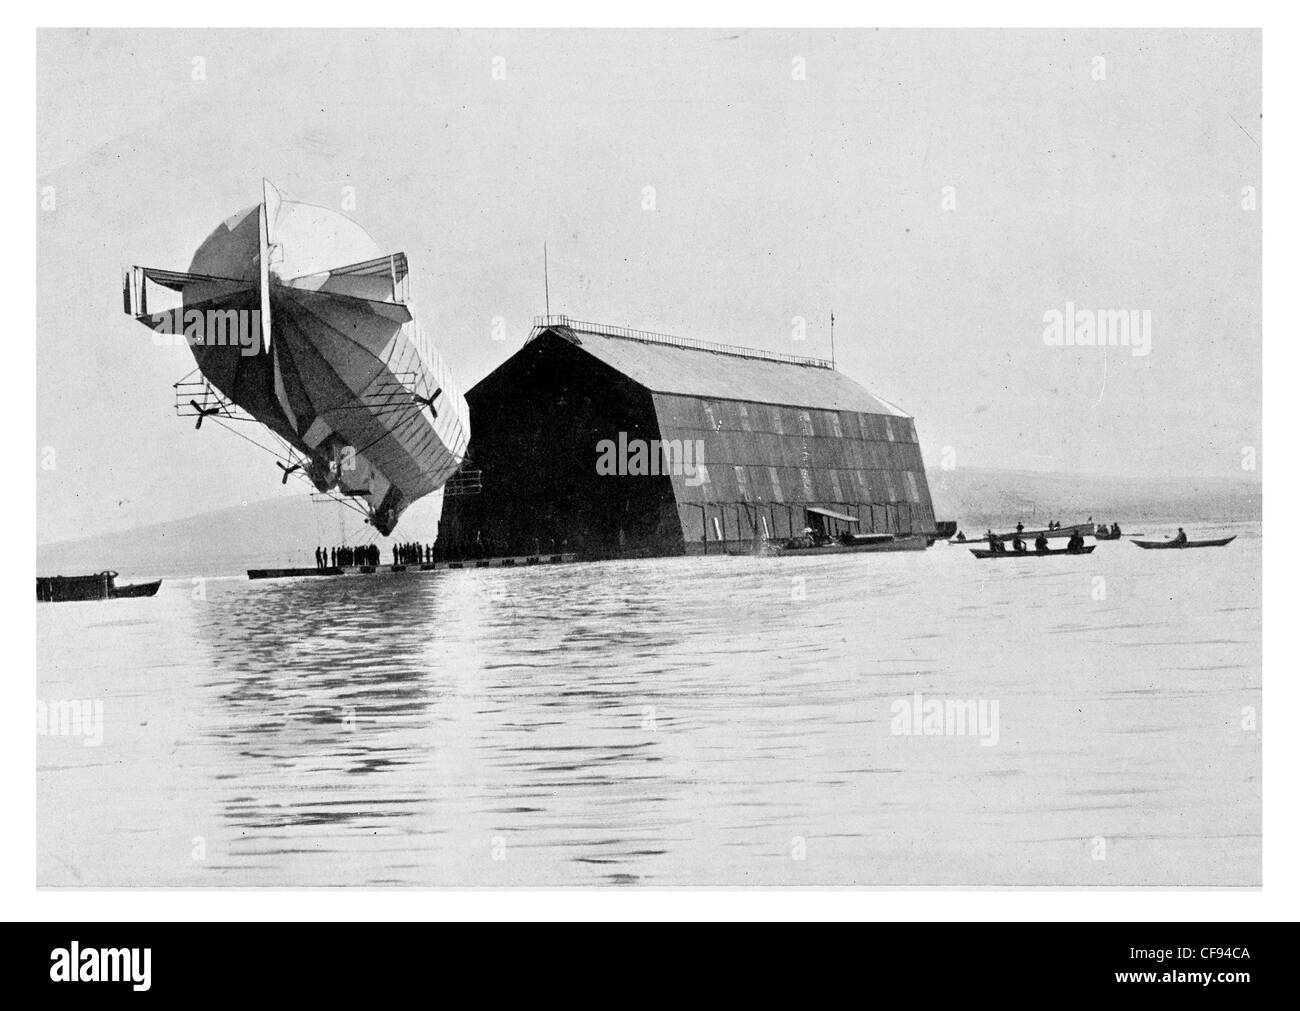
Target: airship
(300, 324)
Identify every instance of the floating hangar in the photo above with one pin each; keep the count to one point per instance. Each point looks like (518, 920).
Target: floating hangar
(762, 446)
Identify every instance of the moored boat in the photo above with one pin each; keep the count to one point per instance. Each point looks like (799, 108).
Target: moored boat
(864, 543)
(100, 586)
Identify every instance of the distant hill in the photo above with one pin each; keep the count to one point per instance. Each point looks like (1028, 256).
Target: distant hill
(268, 533)
(285, 531)
(981, 498)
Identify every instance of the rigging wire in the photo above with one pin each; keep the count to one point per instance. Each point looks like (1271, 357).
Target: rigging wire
(298, 475)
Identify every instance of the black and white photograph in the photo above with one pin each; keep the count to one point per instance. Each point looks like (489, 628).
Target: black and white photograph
(649, 458)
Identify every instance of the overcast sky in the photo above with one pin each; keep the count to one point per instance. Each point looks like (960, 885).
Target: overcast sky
(793, 173)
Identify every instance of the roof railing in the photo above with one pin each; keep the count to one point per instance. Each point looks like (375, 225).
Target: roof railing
(541, 323)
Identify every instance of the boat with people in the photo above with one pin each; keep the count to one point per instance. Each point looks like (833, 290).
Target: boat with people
(1108, 533)
(1042, 544)
(100, 586)
(1087, 549)
(1181, 541)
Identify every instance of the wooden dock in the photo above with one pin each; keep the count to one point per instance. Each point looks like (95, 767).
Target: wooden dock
(292, 573)
(509, 561)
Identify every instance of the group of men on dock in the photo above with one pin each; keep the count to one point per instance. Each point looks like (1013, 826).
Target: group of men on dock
(413, 553)
(343, 555)
(369, 554)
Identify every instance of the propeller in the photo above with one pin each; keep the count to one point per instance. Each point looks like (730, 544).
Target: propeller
(428, 401)
(204, 412)
(287, 471)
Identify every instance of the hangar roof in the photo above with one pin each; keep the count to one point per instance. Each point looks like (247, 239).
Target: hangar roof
(664, 364)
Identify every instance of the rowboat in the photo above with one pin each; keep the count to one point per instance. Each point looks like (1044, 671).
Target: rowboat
(1220, 542)
(989, 553)
(1106, 535)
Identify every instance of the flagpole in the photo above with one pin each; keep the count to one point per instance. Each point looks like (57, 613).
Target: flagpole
(832, 340)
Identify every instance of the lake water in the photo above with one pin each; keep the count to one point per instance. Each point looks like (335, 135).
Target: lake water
(667, 722)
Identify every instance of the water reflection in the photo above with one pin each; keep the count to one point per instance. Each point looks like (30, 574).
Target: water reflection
(375, 686)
